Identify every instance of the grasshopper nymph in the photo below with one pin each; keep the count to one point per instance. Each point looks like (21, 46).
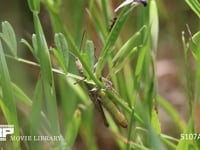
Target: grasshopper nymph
(99, 98)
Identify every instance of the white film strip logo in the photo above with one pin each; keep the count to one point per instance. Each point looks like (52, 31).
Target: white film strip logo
(6, 130)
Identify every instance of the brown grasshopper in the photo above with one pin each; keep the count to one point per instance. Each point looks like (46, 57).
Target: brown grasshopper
(99, 98)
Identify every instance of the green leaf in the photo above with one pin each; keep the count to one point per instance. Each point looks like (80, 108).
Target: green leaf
(154, 24)
(131, 128)
(123, 60)
(97, 21)
(90, 54)
(35, 47)
(63, 50)
(47, 77)
(19, 93)
(86, 61)
(194, 5)
(196, 38)
(7, 103)
(195, 46)
(25, 42)
(59, 59)
(35, 112)
(156, 143)
(72, 129)
(110, 41)
(8, 35)
(127, 48)
(78, 11)
(77, 89)
(155, 121)
(34, 5)
(187, 144)
(105, 11)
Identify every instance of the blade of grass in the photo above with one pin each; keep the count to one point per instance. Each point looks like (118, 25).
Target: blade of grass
(194, 5)
(96, 19)
(104, 4)
(78, 12)
(63, 50)
(19, 93)
(8, 35)
(58, 26)
(35, 114)
(187, 72)
(130, 129)
(127, 47)
(34, 5)
(112, 37)
(90, 53)
(155, 141)
(72, 129)
(184, 143)
(47, 77)
(7, 104)
(87, 129)
(154, 23)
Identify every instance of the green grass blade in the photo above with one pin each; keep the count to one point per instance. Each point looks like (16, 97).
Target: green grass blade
(59, 59)
(187, 72)
(78, 11)
(62, 47)
(8, 35)
(98, 24)
(47, 77)
(7, 104)
(58, 26)
(25, 42)
(90, 53)
(127, 47)
(194, 45)
(185, 143)
(122, 61)
(35, 114)
(154, 23)
(194, 5)
(87, 129)
(72, 129)
(34, 5)
(104, 4)
(155, 141)
(155, 122)
(35, 47)
(19, 93)
(78, 90)
(110, 41)
(130, 129)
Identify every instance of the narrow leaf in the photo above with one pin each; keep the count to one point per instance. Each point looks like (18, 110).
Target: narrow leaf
(154, 24)
(34, 5)
(90, 54)
(195, 6)
(8, 35)
(62, 47)
(7, 103)
(73, 128)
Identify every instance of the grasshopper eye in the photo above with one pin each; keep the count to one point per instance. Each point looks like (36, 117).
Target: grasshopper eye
(132, 2)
